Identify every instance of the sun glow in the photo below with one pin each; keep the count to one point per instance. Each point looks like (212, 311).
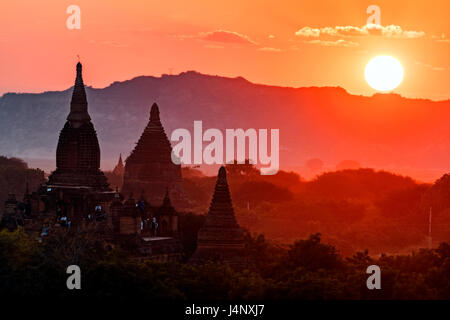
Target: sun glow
(384, 73)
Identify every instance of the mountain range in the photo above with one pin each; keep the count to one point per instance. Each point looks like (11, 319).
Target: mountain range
(385, 131)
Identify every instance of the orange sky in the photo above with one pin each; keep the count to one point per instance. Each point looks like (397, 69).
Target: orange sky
(119, 40)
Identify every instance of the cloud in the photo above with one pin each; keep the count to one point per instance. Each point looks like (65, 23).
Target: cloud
(397, 32)
(226, 37)
(391, 31)
(441, 38)
(431, 67)
(308, 32)
(337, 43)
(269, 49)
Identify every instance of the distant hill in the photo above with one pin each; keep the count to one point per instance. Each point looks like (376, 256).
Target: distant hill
(382, 131)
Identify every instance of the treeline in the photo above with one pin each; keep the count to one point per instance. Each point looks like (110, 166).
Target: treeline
(307, 269)
(14, 176)
(353, 208)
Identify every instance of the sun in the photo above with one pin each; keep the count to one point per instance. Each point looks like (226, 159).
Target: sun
(384, 73)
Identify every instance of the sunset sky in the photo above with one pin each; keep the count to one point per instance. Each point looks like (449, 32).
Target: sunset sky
(288, 43)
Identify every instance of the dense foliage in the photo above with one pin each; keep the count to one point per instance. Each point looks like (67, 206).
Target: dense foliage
(14, 175)
(307, 269)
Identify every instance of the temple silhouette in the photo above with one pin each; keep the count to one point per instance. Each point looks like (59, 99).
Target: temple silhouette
(149, 168)
(220, 238)
(119, 169)
(78, 151)
(143, 217)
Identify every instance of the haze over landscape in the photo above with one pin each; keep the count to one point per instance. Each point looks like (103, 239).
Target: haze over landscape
(385, 131)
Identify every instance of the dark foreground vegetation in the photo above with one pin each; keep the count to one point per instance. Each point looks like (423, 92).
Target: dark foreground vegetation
(14, 177)
(307, 269)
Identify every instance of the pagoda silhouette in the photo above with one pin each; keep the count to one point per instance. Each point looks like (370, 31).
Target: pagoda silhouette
(78, 151)
(150, 169)
(221, 239)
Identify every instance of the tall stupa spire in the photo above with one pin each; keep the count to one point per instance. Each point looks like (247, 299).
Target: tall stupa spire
(119, 168)
(221, 239)
(78, 151)
(78, 106)
(221, 204)
(154, 113)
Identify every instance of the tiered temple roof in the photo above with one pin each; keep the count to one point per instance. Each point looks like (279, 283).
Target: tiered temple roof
(221, 239)
(149, 167)
(78, 151)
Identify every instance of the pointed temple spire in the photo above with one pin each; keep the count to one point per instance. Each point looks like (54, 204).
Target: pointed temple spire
(149, 167)
(221, 204)
(153, 145)
(221, 239)
(78, 106)
(78, 150)
(154, 113)
(119, 168)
